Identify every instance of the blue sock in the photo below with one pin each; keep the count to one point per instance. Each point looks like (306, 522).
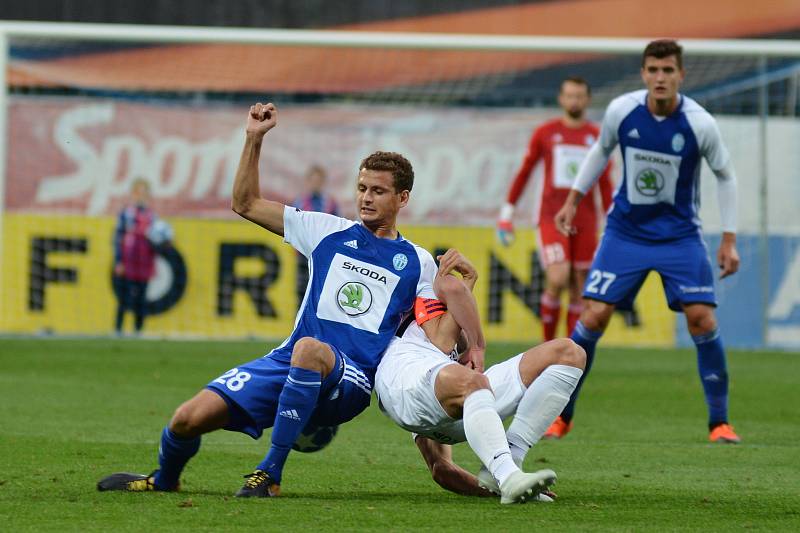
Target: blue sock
(173, 454)
(295, 405)
(713, 374)
(586, 339)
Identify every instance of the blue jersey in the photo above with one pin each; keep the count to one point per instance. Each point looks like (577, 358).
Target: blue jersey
(659, 196)
(360, 285)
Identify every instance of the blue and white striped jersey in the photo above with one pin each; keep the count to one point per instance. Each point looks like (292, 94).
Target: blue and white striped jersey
(659, 196)
(360, 285)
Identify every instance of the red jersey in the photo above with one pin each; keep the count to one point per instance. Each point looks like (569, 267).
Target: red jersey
(563, 149)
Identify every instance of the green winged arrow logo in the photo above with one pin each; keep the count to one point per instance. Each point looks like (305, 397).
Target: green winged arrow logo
(354, 298)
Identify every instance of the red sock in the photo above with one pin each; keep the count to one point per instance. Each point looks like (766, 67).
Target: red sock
(549, 309)
(573, 314)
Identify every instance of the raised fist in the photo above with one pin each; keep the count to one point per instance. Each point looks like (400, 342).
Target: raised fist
(262, 118)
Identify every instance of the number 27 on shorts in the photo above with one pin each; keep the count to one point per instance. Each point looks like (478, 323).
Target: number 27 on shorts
(599, 281)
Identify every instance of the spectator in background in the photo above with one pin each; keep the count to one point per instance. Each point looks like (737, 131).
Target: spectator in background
(313, 198)
(137, 235)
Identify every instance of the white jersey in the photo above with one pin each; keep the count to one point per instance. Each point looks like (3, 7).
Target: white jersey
(406, 379)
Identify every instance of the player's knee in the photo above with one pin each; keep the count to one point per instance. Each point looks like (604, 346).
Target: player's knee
(568, 353)
(557, 282)
(596, 315)
(187, 422)
(311, 354)
(701, 322)
(454, 384)
(473, 382)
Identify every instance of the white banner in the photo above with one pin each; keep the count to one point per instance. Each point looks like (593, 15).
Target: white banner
(80, 155)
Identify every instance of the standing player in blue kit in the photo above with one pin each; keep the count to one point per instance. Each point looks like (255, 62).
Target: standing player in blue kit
(364, 277)
(654, 222)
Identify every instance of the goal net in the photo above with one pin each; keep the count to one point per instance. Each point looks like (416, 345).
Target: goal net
(91, 110)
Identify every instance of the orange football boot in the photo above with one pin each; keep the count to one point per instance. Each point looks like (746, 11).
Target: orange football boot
(558, 429)
(724, 433)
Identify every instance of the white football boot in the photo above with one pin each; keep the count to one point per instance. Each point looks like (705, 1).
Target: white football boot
(522, 486)
(486, 481)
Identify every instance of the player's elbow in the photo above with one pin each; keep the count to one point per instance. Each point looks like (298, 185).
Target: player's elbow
(240, 206)
(449, 288)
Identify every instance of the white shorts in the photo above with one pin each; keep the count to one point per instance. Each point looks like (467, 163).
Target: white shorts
(405, 382)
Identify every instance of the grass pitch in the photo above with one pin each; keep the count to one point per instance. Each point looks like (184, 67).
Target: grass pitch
(638, 460)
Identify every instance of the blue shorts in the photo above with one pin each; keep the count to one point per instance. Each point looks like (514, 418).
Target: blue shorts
(252, 391)
(620, 267)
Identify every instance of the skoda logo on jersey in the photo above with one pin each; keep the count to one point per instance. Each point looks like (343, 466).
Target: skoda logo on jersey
(678, 142)
(364, 271)
(572, 169)
(399, 261)
(649, 182)
(354, 298)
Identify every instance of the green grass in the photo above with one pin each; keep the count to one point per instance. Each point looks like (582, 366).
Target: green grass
(73, 411)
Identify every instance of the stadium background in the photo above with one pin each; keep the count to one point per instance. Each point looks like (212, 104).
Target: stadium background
(85, 118)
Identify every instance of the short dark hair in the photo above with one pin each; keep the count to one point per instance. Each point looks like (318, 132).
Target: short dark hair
(399, 166)
(664, 48)
(316, 168)
(578, 80)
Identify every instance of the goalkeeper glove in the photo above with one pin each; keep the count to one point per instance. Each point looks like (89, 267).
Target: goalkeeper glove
(505, 228)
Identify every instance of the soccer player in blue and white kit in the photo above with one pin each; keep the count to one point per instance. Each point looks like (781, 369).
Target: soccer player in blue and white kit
(364, 278)
(654, 223)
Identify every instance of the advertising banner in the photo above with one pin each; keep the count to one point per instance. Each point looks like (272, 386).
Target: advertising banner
(233, 279)
(72, 161)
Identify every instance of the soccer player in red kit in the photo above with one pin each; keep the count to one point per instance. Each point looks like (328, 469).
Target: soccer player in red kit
(562, 144)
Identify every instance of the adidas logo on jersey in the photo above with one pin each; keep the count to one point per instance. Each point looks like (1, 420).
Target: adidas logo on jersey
(633, 134)
(352, 244)
(290, 414)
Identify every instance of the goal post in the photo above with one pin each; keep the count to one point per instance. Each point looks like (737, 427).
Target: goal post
(87, 108)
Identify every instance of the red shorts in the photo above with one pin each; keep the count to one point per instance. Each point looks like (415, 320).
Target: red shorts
(577, 249)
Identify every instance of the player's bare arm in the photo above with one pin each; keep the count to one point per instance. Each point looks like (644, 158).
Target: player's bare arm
(727, 255)
(566, 214)
(462, 314)
(246, 198)
(447, 474)
(445, 329)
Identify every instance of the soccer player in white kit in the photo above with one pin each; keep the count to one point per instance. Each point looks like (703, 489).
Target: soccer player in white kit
(425, 391)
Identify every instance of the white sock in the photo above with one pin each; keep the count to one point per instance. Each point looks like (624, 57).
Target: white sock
(539, 406)
(486, 435)
(518, 453)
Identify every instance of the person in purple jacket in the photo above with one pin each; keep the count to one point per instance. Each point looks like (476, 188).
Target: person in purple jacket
(134, 254)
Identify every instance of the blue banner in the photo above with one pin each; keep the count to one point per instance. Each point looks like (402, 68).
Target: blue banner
(743, 319)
